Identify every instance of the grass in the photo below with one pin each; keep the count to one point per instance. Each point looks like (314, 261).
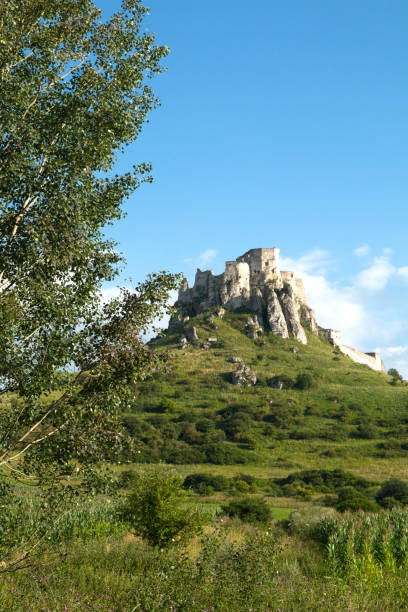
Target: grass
(352, 413)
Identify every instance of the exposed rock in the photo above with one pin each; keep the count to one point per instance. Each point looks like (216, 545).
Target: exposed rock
(294, 349)
(252, 334)
(183, 342)
(185, 319)
(291, 313)
(275, 316)
(191, 334)
(255, 282)
(212, 340)
(243, 377)
(235, 360)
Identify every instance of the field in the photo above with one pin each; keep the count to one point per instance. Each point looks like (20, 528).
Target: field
(308, 453)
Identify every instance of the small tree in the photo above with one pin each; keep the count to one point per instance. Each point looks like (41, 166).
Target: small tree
(396, 376)
(155, 511)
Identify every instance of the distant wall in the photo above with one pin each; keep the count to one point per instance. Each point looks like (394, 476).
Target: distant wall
(372, 360)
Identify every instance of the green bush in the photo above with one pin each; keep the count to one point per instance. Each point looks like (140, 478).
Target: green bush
(155, 511)
(249, 510)
(352, 500)
(198, 481)
(393, 492)
(304, 381)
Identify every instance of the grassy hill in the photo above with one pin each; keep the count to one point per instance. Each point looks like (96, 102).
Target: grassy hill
(195, 415)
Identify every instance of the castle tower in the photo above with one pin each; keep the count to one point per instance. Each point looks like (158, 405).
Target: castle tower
(264, 265)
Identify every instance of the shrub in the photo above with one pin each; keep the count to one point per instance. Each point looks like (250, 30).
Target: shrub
(154, 509)
(304, 381)
(249, 510)
(392, 492)
(352, 500)
(222, 454)
(198, 481)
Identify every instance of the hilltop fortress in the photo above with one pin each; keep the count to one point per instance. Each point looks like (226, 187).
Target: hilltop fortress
(255, 282)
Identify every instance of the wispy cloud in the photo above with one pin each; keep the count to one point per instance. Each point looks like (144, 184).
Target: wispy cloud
(363, 250)
(376, 277)
(206, 257)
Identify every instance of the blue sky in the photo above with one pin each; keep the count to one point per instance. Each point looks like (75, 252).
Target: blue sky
(282, 124)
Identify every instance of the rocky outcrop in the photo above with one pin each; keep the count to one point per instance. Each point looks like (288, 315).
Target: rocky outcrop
(254, 282)
(243, 376)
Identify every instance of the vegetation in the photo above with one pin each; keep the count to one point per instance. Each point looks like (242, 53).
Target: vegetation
(154, 509)
(196, 416)
(73, 93)
(249, 509)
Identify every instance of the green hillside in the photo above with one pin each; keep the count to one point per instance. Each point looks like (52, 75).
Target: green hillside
(195, 415)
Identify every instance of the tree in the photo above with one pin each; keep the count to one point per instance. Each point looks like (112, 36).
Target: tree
(73, 94)
(396, 376)
(155, 511)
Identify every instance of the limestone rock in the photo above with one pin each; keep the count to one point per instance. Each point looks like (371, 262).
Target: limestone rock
(235, 360)
(212, 340)
(255, 282)
(243, 377)
(290, 311)
(183, 342)
(275, 317)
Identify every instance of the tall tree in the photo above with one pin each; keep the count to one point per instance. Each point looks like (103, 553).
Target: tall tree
(73, 93)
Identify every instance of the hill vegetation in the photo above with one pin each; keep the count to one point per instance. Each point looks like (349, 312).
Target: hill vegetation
(328, 411)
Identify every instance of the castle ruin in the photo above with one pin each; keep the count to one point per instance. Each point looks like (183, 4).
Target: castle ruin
(255, 282)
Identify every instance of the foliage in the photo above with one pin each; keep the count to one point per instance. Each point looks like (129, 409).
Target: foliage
(249, 509)
(393, 372)
(154, 509)
(325, 481)
(205, 483)
(73, 94)
(366, 542)
(304, 381)
(393, 492)
(351, 499)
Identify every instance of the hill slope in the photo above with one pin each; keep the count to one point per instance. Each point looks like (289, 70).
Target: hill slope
(196, 415)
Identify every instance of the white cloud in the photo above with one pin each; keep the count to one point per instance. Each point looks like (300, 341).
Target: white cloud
(206, 257)
(315, 261)
(376, 277)
(403, 273)
(363, 322)
(363, 250)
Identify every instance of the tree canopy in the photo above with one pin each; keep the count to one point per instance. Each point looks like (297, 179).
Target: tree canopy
(73, 93)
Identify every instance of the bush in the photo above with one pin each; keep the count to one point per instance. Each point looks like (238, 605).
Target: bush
(393, 492)
(249, 510)
(325, 481)
(222, 454)
(304, 381)
(199, 481)
(154, 509)
(352, 500)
